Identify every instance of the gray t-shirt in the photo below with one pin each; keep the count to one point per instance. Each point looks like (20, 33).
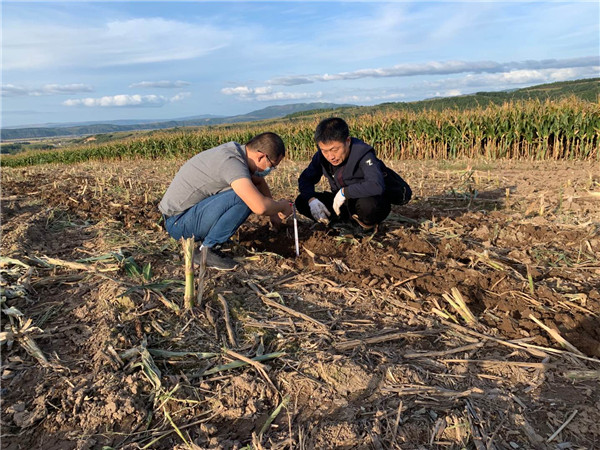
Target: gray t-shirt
(204, 175)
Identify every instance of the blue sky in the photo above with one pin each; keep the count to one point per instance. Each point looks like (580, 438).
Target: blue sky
(93, 61)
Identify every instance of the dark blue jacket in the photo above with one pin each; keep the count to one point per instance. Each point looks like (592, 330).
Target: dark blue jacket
(361, 175)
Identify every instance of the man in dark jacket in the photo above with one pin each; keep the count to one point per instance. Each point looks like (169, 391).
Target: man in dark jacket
(362, 187)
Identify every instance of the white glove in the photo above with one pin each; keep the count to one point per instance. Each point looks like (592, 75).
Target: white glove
(319, 211)
(338, 201)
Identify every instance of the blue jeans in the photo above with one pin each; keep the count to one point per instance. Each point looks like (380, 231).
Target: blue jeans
(213, 220)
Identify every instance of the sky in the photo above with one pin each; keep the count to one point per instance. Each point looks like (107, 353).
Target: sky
(71, 61)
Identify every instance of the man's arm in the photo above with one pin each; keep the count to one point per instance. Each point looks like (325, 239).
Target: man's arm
(262, 186)
(256, 201)
(310, 177)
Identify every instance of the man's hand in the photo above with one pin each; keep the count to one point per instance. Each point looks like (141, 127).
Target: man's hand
(286, 208)
(276, 221)
(319, 211)
(338, 201)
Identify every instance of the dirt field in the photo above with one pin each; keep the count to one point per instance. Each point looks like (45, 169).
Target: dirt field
(356, 342)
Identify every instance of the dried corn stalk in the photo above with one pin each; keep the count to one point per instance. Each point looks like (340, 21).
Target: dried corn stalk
(188, 257)
(20, 331)
(458, 303)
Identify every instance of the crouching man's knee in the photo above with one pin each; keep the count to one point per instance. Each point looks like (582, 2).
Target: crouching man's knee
(372, 210)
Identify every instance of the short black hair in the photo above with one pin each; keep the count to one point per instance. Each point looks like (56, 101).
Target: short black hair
(268, 143)
(333, 129)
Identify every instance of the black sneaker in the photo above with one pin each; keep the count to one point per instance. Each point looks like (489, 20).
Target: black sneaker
(216, 259)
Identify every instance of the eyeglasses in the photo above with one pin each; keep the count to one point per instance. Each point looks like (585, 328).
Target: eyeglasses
(274, 166)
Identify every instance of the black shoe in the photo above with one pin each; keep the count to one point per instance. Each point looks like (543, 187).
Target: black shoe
(216, 259)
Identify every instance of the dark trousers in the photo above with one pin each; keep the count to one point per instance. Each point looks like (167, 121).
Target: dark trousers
(370, 210)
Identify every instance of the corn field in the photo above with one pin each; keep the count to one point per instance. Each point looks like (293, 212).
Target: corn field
(568, 129)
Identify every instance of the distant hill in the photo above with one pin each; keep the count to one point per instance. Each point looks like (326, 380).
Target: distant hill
(87, 128)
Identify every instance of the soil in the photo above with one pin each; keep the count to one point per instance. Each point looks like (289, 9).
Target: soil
(356, 341)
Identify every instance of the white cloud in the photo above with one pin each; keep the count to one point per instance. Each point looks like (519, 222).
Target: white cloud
(239, 90)
(264, 90)
(115, 43)
(513, 78)
(439, 68)
(180, 96)
(370, 98)
(11, 90)
(164, 84)
(266, 93)
(126, 100)
(467, 77)
(448, 93)
(288, 96)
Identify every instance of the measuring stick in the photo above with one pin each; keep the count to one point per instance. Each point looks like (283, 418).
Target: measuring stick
(296, 230)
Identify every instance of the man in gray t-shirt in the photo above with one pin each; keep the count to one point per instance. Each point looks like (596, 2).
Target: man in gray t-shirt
(215, 191)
